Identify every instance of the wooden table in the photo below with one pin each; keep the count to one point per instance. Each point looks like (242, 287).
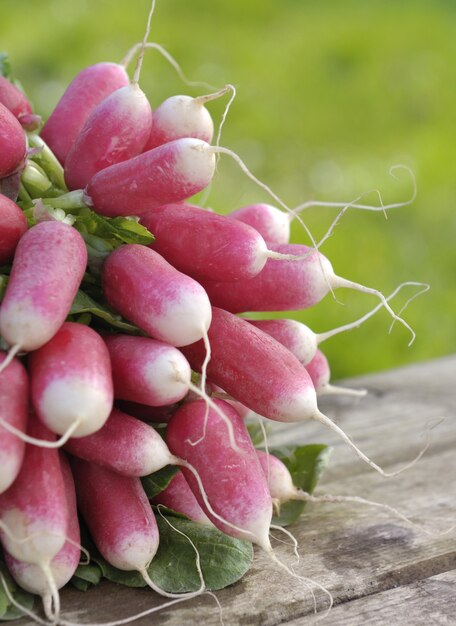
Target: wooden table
(379, 569)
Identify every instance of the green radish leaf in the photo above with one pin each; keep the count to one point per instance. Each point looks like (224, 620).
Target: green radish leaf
(83, 303)
(256, 433)
(224, 560)
(7, 610)
(4, 278)
(80, 585)
(88, 573)
(156, 482)
(306, 465)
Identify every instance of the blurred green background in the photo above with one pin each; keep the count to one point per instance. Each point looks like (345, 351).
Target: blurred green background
(330, 96)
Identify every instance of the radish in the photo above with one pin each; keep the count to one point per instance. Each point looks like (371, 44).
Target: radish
(16, 102)
(320, 374)
(147, 371)
(283, 392)
(13, 225)
(149, 292)
(287, 286)
(116, 130)
(34, 510)
(233, 480)
(64, 564)
(123, 527)
(90, 87)
(272, 223)
(13, 412)
(48, 267)
(183, 116)
(227, 250)
(169, 173)
(71, 383)
(12, 143)
(179, 497)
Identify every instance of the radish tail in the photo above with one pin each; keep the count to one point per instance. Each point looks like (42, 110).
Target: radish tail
(333, 390)
(10, 356)
(41, 443)
(143, 46)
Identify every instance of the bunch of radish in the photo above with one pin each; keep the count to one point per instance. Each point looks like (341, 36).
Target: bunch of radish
(119, 313)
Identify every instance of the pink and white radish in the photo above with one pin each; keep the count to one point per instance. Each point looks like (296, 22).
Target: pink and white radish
(272, 223)
(116, 130)
(227, 250)
(63, 565)
(90, 87)
(156, 415)
(283, 392)
(13, 225)
(48, 266)
(12, 143)
(123, 527)
(71, 382)
(147, 371)
(14, 392)
(149, 292)
(34, 510)
(179, 497)
(183, 116)
(233, 480)
(16, 102)
(287, 286)
(169, 173)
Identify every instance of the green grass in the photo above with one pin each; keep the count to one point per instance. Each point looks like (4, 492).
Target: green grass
(330, 95)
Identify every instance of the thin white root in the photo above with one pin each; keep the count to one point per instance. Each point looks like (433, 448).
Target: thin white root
(333, 390)
(225, 114)
(219, 412)
(367, 207)
(166, 55)
(338, 281)
(143, 46)
(55, 596)
(291, 536)
(207, 359)
(325, 420)
(10, 356)
(357, 323)
(41, 443)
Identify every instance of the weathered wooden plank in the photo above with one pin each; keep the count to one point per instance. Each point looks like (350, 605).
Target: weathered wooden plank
(352, 551)
(430, 601)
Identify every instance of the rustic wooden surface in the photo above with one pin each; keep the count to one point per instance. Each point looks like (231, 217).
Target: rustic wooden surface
(379, 569)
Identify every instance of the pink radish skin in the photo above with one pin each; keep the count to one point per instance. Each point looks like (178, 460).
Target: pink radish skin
(88, 88)
(148, 291)
(157, 415)
(285, 286)
(34, 508)
(16, 102)
(279, 478)
(234, 482)
(179, 497)
(64, 564)
(116, 130)
(48, 267)
(178, 117)
(284, 390)
(12, 143)
(123, 527)
(13, 225)
(226, 250)
(71, 380)
(124, 445)
(14, 391)
(272, 223)
(169, 173)
(294, 335)
(147, 371)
